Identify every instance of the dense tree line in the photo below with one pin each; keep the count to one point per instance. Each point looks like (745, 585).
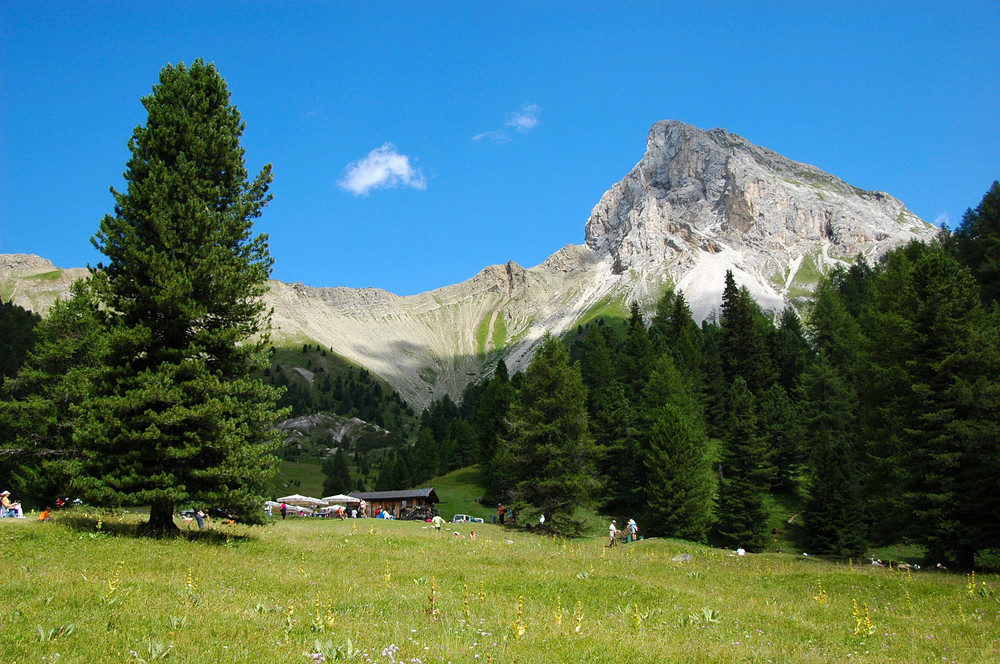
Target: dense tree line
(879, 411)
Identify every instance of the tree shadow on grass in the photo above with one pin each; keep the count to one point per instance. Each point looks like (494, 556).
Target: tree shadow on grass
(97, 525)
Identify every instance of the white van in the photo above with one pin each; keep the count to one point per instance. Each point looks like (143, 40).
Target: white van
(465, 518)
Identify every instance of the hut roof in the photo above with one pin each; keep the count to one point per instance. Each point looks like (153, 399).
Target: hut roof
(405, 494)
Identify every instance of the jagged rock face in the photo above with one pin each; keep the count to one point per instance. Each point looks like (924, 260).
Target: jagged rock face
(330, 427)
(700, 202)
(697, 204)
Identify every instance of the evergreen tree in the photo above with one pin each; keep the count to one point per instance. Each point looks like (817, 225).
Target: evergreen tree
(713, 378)
(951, 456)
(459, 451)
(686, 340)
(833, 330)
(742, 350)
(886, 403)
(490, 427)
(660, 332)
(833, 511)
(596, 365)
(789, 349)
(977, 243)
(16, 336)
(616, 432)
(549, 449)
(778, 427)
(39, 406)
(679, 479)
(853, 285)
(338, 474)
(426, 454)
(178, 416)
(401, 476)
(637, 355)
(674, 331)
(744, 475)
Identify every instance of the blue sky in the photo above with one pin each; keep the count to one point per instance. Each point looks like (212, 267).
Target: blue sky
(415, 143)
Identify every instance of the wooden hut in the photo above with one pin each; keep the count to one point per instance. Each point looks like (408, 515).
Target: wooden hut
(405, 504)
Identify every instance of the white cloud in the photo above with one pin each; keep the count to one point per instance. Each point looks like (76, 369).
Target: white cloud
(381, 168)
(522, 121)
(496, 136)
(942, 219)
(525, 119)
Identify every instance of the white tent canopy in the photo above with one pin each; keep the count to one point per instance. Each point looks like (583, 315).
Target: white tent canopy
(302, 501)
(342, 498)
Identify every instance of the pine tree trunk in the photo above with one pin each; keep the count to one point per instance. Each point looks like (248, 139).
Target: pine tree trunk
(161, 519)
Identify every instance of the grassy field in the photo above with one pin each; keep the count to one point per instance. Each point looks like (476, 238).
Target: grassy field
(84, 588)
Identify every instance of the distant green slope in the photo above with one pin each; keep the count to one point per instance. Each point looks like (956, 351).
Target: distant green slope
(458, 491)
(304, 478)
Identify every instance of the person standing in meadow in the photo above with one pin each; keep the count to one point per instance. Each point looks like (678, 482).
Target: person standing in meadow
(612, 534)
(632, 529)
(284, 511)
(438, 522)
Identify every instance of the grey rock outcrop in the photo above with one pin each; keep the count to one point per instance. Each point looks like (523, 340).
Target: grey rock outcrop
(701, 202)
(698, 203)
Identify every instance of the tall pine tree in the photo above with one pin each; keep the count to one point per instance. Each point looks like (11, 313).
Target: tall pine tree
(550, 451)
(679, 482)
(951, 459)
(490, 426)
(178, 416)
(744, 475)
(742, 350)
(833, 511)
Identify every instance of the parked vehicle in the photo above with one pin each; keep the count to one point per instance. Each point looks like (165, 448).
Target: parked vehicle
(466, 518)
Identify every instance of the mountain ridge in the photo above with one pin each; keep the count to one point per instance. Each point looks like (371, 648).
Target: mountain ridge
(698, 203)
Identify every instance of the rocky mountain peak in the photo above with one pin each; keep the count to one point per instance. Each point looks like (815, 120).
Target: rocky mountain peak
(700, 202)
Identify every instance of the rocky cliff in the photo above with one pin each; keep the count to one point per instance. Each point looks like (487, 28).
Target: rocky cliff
(697, 204)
